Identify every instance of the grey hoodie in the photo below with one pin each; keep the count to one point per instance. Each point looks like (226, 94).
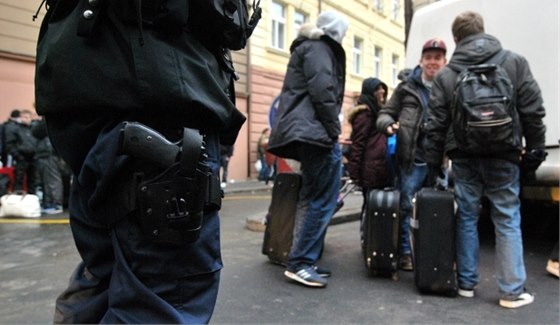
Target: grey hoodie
(333, 24)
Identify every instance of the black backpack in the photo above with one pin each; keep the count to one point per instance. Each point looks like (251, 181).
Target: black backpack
(485, 120)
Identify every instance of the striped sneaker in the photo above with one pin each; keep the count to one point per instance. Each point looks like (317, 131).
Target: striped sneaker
(307, 276)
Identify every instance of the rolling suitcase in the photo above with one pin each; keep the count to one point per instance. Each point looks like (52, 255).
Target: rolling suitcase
(381, 232)
(280, 219)
(433, 242)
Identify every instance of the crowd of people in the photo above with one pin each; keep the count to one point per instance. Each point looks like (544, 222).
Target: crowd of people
(37, 168)
(418, 113)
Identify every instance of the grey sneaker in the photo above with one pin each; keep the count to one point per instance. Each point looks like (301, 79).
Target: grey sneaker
(307, 276)
(516, 301)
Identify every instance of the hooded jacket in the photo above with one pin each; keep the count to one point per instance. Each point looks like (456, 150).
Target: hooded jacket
(406, 107)
(367, 162)
(312, 93)
(476, 49)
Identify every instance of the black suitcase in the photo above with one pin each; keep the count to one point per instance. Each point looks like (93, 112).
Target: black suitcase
(381, 232)
(278, 233)
(432, 238)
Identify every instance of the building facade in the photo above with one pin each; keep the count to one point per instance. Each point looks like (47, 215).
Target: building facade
(374, 46)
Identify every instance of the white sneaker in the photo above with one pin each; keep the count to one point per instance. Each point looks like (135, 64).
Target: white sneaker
(467, 293)
(521, 300)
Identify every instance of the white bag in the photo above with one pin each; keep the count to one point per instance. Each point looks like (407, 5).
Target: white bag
(20, 205)
(258, 165)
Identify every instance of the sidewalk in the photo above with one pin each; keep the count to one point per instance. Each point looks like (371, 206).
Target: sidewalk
(349, 212)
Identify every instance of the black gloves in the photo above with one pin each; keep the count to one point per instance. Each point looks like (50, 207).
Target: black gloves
(530, 161)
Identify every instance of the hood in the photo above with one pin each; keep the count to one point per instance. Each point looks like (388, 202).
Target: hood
(355, 111)
(333, 24)
(369, 85)
(474, 49)
(306, 31)
(367, 97)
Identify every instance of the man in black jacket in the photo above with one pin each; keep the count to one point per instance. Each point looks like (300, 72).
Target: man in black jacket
(307, 129)
(21, 145)
(143, 211)
(495, 174)
(406, 113)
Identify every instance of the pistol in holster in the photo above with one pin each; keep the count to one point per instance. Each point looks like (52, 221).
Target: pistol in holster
(171, 205)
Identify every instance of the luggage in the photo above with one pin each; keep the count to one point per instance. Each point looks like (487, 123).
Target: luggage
(381, 232)
(433, 242)
(280, 219)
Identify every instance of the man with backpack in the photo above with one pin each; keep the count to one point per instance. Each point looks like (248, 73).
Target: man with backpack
(137, 97)
(482, 103)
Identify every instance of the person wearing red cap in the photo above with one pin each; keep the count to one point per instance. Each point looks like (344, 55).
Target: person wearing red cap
(406, 113)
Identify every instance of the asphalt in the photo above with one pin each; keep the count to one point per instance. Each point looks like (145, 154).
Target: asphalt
(37, 257)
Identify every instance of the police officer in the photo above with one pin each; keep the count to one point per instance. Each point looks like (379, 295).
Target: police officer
(149, 242)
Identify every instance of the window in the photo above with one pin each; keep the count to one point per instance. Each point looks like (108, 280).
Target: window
(378, 5)
(357, 56)
(299, 19)
(278, 20)
(395, 69)
(377, 54)
(395, 9)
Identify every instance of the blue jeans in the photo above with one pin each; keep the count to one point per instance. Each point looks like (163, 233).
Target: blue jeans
(411, 181)
(498, 180)
(321, 171)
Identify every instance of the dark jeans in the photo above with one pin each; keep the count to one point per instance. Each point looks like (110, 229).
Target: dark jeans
(49, 170)
(321, 171)
(124, 277)
(24, 171)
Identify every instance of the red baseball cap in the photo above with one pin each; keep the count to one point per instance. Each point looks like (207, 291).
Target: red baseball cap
(434, 44)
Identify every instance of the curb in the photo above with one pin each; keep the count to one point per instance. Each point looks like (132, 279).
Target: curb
(257, 222)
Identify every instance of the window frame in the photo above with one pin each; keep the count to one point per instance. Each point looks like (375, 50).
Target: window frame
(278, 26)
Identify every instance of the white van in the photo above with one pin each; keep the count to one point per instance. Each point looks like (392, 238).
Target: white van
(528, 27)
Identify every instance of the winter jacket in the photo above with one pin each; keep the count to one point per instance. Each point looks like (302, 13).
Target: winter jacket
(312, 94)
(20, 142)
(44, 148)
(477, 49)
(152, 61)
(406, 107)
(367, 163)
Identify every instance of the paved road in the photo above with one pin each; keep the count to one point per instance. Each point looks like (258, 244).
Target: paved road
(36, 261)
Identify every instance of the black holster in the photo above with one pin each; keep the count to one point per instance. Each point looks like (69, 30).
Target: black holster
(171, 206)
